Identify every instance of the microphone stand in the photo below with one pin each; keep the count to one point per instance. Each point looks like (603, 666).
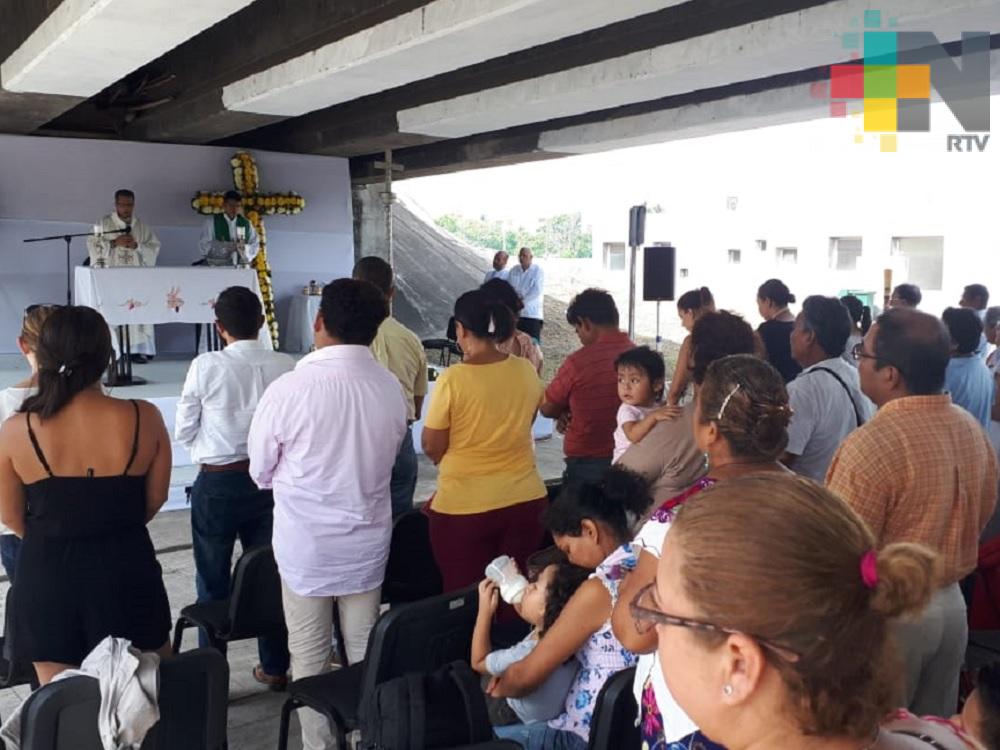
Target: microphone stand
(68, 239)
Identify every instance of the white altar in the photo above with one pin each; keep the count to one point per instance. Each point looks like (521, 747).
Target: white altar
(185, 294)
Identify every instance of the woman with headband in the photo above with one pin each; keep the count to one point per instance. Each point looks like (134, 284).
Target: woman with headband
(773, 615)
(740, 423)
(489, 497)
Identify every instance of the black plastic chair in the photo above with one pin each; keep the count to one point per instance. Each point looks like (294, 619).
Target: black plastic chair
(614, 725)
(410, 638)
(411, 573)
(445, 348)
(194, 692)
(253, 609)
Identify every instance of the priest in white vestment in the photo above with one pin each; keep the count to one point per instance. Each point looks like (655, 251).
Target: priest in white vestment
(137, 246)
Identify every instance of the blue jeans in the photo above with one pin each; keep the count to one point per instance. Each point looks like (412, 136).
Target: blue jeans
(10, 548)
(225, 506)
(585, 470)
(540, 736)
(404, 476)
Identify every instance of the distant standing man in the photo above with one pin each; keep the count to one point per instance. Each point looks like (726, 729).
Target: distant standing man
(529, 282)
(231, 226)
(135, 246)
(220, 396)
(976, 297)
(500, 270)
(398, 350)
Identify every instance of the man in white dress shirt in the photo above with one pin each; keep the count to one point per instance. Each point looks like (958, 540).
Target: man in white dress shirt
(499, 267)
(135, 246)
(529, 282)
(231, 226)
(220, 396)
(325, 438)
(826, 399)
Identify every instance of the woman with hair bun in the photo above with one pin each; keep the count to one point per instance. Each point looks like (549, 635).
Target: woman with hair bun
(773, 299)
(690, 307)
(477, 430)
(741, 418)
(773, 615)
(87, 568)
(519, 344)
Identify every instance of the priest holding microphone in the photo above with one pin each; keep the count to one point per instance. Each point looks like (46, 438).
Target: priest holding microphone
(121, 239)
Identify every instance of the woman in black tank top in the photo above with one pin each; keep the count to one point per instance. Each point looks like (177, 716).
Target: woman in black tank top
(87, 568)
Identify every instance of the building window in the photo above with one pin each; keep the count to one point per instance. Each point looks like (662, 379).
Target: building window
(732, 202)
(924, 261)
(844, 253)
(787, 255)
(761, 245)
(734, 256)
(684, 273)
(615, 258)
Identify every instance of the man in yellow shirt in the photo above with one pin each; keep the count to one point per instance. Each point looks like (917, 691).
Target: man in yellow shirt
(399, 350)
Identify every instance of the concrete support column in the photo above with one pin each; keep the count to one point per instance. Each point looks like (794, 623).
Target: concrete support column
(372, 233)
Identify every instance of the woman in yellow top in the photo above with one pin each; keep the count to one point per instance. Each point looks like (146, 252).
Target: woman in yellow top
(477, 430)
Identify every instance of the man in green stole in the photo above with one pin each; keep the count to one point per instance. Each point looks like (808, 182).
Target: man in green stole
(231, 226)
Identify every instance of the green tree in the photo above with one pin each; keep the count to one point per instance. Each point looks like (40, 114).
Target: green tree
(560, 236)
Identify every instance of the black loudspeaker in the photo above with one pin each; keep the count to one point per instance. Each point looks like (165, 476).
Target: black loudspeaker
(658, 264)
(636, 226)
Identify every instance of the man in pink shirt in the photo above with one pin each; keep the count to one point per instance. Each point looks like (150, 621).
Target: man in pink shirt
(324, 438)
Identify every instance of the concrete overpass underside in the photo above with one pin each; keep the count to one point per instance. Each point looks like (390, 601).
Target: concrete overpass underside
(445, 85)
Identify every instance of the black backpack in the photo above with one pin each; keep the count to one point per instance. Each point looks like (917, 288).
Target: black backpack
(443, 709)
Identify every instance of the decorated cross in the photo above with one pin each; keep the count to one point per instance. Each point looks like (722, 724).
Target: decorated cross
(256, 205)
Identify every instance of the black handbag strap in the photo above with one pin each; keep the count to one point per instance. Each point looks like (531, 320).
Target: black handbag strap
(857, 412)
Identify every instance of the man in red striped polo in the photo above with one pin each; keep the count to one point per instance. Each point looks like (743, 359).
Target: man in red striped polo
(584, 393)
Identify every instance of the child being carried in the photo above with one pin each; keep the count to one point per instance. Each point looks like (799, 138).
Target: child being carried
(641, 381)
(539, 605)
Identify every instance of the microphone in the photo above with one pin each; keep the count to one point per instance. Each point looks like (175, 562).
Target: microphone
(127, 229)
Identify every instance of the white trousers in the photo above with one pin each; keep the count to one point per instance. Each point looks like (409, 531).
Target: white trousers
(309, 620)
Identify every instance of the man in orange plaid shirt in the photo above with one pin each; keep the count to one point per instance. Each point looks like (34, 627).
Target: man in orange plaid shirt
(922, 470)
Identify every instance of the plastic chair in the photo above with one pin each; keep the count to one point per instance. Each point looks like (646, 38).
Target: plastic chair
(410, 638)
(411, 573)
(614, 724)
(193, 704)
(253, 609)
(445, 349)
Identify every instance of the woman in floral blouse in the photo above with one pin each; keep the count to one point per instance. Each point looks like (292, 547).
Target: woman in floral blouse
(591, 524)
(740, 420)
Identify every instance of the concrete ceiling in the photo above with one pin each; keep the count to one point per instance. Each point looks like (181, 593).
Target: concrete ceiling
(447, 84)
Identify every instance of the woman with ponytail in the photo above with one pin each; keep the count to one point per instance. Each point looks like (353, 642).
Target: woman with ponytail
(477, 430)
(690, 307)
(592, 524)
(773, 614)
(773, 299)
(81, 474)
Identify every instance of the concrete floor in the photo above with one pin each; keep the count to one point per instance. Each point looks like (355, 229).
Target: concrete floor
(253, 710)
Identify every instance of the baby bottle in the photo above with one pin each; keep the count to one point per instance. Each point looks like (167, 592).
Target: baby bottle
(504, 573)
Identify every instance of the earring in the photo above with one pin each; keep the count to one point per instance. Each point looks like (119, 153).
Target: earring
(727, 691)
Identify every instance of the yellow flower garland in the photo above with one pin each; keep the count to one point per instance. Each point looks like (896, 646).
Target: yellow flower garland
(246, 178)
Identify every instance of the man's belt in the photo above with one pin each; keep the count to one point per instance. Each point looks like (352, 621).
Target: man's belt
(237, 466)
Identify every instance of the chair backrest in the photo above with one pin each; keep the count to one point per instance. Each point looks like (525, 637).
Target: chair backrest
(194, 702)
(420, 637)
(411, 573)
(614, 725)
(194, 693)
(255, 603)
(62, 716)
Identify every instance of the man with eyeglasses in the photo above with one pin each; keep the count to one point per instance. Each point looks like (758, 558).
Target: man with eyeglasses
(922, 470)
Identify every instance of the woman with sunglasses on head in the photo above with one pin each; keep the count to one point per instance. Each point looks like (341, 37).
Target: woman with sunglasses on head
(773, 615)
(10, 401)
(740, 420)
(81, 474)
(592, 524)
